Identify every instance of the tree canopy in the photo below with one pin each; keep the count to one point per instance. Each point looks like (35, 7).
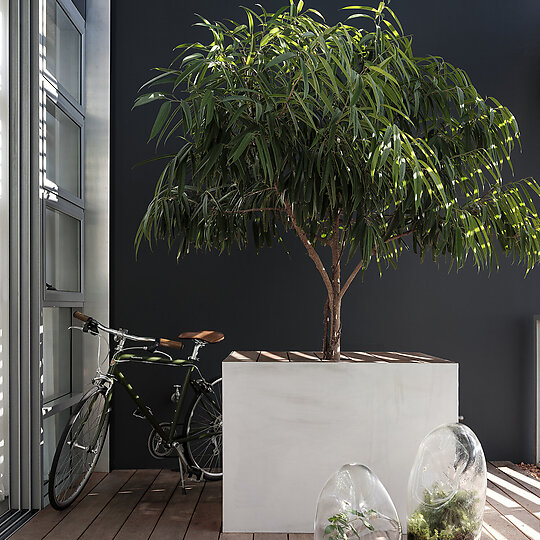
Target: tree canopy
(341, 134)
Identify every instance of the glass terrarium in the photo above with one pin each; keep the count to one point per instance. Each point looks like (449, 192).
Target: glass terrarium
(355, 504)
(447, 486)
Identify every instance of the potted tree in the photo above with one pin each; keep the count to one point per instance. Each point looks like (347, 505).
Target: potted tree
(342, 136)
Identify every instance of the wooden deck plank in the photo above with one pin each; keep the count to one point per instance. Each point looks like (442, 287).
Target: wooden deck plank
(206, 521)
(514, 490)
(243, 356)
(114, 515)
(524, 479)
(513, 512)
(303, 356)
(141, 522)
(273, 356)
(175, 519)
(499, 527)
(197, 516)
(44, 521)
(90, 507)
(363, 357)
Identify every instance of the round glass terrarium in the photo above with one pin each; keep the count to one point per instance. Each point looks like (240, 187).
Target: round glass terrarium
(355, 504)
(447, 486)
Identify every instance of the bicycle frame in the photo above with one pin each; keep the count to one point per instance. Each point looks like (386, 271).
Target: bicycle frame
(169, 437)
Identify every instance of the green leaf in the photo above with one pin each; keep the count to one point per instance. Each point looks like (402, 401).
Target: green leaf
(148, 98)
(243, 144)
(358, 89)
(280, 58)
(162, 116)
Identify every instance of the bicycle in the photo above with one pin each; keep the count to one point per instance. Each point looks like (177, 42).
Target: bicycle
(197, 446)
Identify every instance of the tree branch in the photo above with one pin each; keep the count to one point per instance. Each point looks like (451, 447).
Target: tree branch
(406, 233)
(361, 263)
(310, 249)
(351, 277)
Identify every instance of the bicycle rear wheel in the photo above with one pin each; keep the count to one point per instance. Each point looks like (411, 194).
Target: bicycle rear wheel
(79, 448)
(205, 420)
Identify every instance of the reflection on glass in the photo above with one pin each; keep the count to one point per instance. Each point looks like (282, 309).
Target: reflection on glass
(355, 504)
(63, 49)
(53, 426)
(63, 248)
(56, 353)
(63, 142)
(447, 486)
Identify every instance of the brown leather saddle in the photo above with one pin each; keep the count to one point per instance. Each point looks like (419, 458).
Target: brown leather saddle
(209, 336)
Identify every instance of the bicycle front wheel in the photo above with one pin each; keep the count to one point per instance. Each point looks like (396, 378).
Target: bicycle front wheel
(204, 424)
(79, 448)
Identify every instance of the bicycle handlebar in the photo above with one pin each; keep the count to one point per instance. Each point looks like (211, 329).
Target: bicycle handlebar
(162, 341)
(81, 316)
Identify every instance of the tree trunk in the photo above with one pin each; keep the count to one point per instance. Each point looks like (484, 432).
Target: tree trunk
(332, 309)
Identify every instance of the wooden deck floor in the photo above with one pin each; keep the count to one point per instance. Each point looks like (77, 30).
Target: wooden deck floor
(148, 504)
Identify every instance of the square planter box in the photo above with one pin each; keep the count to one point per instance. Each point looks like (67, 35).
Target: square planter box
(290, 421)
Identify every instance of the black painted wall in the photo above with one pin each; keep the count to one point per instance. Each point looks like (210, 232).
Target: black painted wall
(274, 300)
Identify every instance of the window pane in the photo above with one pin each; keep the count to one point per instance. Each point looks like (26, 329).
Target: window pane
(62, 151)
(63, 51)
(62, 252)
(53, 426)
(56, 353)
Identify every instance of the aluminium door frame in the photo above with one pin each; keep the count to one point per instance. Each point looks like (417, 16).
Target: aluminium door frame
(25, 264)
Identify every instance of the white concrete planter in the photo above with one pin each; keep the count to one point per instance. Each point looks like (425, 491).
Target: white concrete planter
(288, 425)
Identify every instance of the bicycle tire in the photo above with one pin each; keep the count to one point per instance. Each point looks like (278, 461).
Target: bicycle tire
(79, 448)
(206, 414)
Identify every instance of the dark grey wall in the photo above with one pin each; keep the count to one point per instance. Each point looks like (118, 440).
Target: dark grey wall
(274, 300)
(81, 6)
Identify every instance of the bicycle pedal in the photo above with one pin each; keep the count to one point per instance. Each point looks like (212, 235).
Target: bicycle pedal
(137, 413)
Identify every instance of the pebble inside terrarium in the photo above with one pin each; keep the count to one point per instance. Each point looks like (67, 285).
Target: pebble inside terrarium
(355, 504)
(447, 486)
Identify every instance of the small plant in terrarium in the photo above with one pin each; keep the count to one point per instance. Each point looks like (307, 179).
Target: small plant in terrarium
(347, 524)
(455, 519)
(447, 486)
(355, 504)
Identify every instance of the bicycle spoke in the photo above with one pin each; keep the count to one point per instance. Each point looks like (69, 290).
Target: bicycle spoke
(78, 450)
(204, 425)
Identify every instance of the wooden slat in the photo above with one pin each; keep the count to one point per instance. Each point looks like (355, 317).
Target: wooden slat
(524, 479)
(236, 536)
(361, 357)
(87, 510)
(243, 356)
(273, 356)
(303, 356)
(300, 536)
(396, 357)
(520, 518)
(143, 519)
(514, 490)
(499, 527)
(206, 521)
(113, 516)
(45, 520)
(430, 357)
(270, 536)
(175, 519)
